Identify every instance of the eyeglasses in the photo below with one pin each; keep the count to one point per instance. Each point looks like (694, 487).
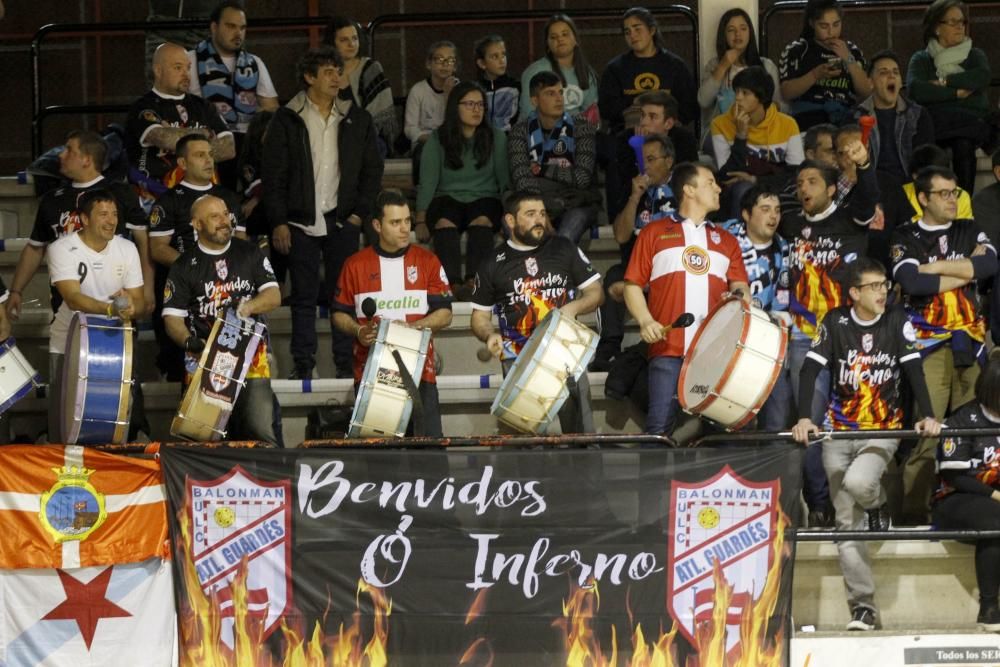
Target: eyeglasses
(947, 194)
(472, 106)
(954, 23)
(444, 61)
(877, 286)
(657, 157)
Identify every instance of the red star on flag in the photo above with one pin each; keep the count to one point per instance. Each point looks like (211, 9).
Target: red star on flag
(86, 603)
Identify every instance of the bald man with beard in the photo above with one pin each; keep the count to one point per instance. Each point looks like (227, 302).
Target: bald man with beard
(158, 119)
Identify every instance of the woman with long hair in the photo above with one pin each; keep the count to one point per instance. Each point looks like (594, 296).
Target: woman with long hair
(463, 172)
(564, 56)
(735, 50)
(368, 86)
(951, 78)
(647, 65)
(822, 74)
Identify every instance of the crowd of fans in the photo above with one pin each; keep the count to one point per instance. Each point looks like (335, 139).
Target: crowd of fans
(830, 189)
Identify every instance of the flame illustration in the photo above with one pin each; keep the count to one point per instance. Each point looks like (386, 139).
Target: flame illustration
(757, 647)
(200, 628)
(536, 312)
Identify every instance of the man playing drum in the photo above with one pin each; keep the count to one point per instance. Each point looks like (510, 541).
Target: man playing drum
(688, 265)
(220, 271)
(406, 282)
(865, 345)
(533, 272)
(95, 272)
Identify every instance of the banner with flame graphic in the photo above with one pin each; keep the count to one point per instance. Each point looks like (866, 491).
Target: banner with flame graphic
(542, 557)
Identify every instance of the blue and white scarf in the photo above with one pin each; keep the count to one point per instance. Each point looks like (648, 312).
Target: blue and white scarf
(558, 147)
(234, 94)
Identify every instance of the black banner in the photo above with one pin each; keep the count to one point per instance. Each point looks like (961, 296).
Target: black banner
(480, 557)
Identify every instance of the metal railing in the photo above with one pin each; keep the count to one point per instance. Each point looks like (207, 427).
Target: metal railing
(40, 113)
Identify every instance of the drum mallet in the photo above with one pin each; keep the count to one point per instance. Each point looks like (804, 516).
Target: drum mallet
(683, 321)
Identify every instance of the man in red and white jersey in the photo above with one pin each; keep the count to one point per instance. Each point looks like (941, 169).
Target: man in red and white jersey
(406, 282)
(687, 266)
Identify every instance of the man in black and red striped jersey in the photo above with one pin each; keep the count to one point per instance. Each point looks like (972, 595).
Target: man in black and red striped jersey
(406, 282)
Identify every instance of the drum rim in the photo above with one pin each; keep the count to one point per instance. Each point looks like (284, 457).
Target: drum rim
(711, 397)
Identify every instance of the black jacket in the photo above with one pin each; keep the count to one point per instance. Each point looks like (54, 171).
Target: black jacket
(289, 191)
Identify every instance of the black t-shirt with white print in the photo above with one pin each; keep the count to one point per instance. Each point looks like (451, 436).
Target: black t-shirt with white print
(171, 214)
(59, 210)
(865, 360)
(523, 284)
(202, 283)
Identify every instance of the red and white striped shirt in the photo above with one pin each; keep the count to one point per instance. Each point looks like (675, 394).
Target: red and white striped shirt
(687, 267)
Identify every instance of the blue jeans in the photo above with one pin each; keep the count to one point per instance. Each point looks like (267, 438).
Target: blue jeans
(663, 404)
(775, 415)
(815, 488)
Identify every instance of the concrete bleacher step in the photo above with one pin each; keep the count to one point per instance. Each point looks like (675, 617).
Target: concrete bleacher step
(919, 586)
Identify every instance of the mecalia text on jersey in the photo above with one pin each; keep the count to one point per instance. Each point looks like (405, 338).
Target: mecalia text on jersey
(398, 304)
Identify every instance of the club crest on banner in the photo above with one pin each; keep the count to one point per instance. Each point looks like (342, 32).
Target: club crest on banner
(237, 516)
(223, 370)
(72, 509)
(726, 519)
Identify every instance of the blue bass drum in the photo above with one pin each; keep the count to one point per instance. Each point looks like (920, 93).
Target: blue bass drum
(97, 381)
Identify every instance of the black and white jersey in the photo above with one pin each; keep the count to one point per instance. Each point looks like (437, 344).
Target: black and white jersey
(865, 360)
(156, 110)
(978, 457)
(59, 210)
(202, 283)
(522, 284)
(171, 214)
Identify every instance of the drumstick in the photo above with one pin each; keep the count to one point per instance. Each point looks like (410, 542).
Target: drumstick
(683, 321)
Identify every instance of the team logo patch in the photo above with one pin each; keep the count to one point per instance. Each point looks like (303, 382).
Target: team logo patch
(909, 333)
(168, 291)
(182, 112)
(695, 260)
(560, 148)
(806, 232)
(867, 342)
(531, 266)
(155, 216)
(896, 253)
(646, 81)
(714, 235)
(411, 274)
(943, 244)
(221, 269)
(72, 509)
(237, 516)
(819, 337)
(948, 447)
(726, 520)
(150, 116)
(267, 265)
(223, 369)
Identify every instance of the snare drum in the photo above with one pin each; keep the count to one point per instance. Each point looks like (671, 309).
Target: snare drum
(535, 389)
(17, 377)
(97, 381)
(732, 364)
(218, 378)
(383, 405)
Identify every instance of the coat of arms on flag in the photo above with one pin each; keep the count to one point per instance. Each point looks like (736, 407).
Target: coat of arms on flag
(726, 520)
(82, 566)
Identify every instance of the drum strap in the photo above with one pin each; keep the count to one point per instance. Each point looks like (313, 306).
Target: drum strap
(411, 389)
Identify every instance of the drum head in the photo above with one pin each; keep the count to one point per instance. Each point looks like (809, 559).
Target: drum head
(714, 346)
(73, 387)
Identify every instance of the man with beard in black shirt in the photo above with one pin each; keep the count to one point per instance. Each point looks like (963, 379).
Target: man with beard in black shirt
(220, 272)
(526, 277)
(171, 233)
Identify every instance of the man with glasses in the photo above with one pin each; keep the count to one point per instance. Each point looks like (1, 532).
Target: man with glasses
(937, 261)
(865, 344)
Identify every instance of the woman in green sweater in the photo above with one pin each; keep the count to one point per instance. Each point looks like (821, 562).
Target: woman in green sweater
(951, 79)
(463, 172)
